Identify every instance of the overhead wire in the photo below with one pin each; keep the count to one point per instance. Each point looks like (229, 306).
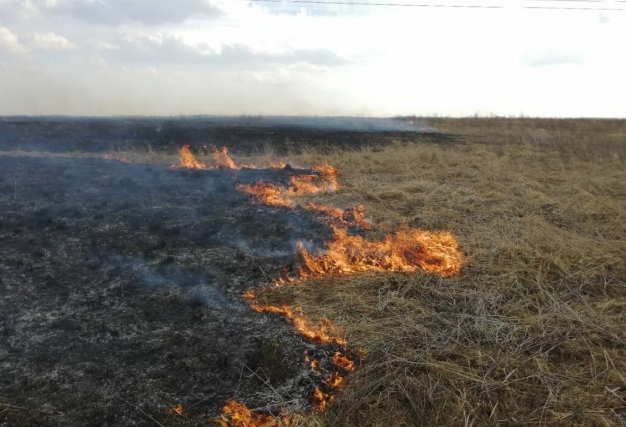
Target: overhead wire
(453, 6)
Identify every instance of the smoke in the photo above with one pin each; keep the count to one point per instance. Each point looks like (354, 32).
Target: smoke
(192, 288)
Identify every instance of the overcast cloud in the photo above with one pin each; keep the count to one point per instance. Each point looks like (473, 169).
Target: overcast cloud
(103, 57)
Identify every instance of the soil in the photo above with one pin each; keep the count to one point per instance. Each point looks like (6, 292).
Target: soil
(167, 135)
(120, 291)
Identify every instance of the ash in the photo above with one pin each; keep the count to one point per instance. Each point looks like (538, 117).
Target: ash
(120, 294)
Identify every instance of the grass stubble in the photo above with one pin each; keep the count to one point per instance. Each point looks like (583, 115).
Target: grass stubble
(533, 330)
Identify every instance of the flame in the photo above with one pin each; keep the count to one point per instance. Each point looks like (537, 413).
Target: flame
(269, 194)
(178, 410)
(188, 160)
(327, 332)
(222, 159)
(407, 250)
(235, 414)
(343, 362)
(302, 184)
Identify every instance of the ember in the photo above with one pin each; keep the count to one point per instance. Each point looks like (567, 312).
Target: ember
(235, 414)
(178, 410)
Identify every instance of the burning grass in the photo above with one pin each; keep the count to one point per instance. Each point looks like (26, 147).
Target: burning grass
(531, 332)
(533, 329)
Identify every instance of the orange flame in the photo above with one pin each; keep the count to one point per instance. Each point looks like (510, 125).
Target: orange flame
(235, 414)
(188, 160)
(407, 250)
(321, 400)
(178, 410)
(269, 194)
(343, 362)
(325, 333)
(222, 159)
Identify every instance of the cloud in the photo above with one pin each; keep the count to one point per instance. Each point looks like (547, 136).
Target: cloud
(9, 42)
(147, 12)
(319, 9)
(552, 57)
(51, 41)
(155, 49)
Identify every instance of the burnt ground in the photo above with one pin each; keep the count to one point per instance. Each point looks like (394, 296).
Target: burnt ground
(120, 294)
(241, 136)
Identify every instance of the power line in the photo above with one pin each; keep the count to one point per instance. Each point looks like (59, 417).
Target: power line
(464, 6)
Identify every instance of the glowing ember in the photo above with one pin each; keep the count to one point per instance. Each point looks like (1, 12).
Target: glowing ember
(236, 414)
(178, 410)
(187, 160)
(325, 333)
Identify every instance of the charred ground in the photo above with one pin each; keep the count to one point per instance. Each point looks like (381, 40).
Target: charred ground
(120, 291)
(167, 135)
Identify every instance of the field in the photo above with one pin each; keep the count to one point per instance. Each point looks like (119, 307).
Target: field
(106, 267)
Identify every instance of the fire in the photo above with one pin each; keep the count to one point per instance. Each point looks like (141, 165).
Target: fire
(326, 332)
(406, 250)
(178, 410)
(343, 362)
(235, 414)
(187, 159)
(321, 400)
(270, 194)
(222, 159)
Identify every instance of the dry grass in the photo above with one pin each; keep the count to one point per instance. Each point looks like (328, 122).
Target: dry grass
(534, 329)
(533, 332)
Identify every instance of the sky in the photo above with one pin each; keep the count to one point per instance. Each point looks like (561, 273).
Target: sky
(242, 57)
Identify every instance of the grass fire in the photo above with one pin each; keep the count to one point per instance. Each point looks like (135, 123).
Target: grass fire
(211, 274)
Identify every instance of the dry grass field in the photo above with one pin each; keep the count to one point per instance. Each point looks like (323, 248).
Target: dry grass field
(533, 330)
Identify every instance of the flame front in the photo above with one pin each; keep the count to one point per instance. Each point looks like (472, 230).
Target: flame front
(326, 332)
(235, 414)
(300, 185)
(222, 159)
(407, 250)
